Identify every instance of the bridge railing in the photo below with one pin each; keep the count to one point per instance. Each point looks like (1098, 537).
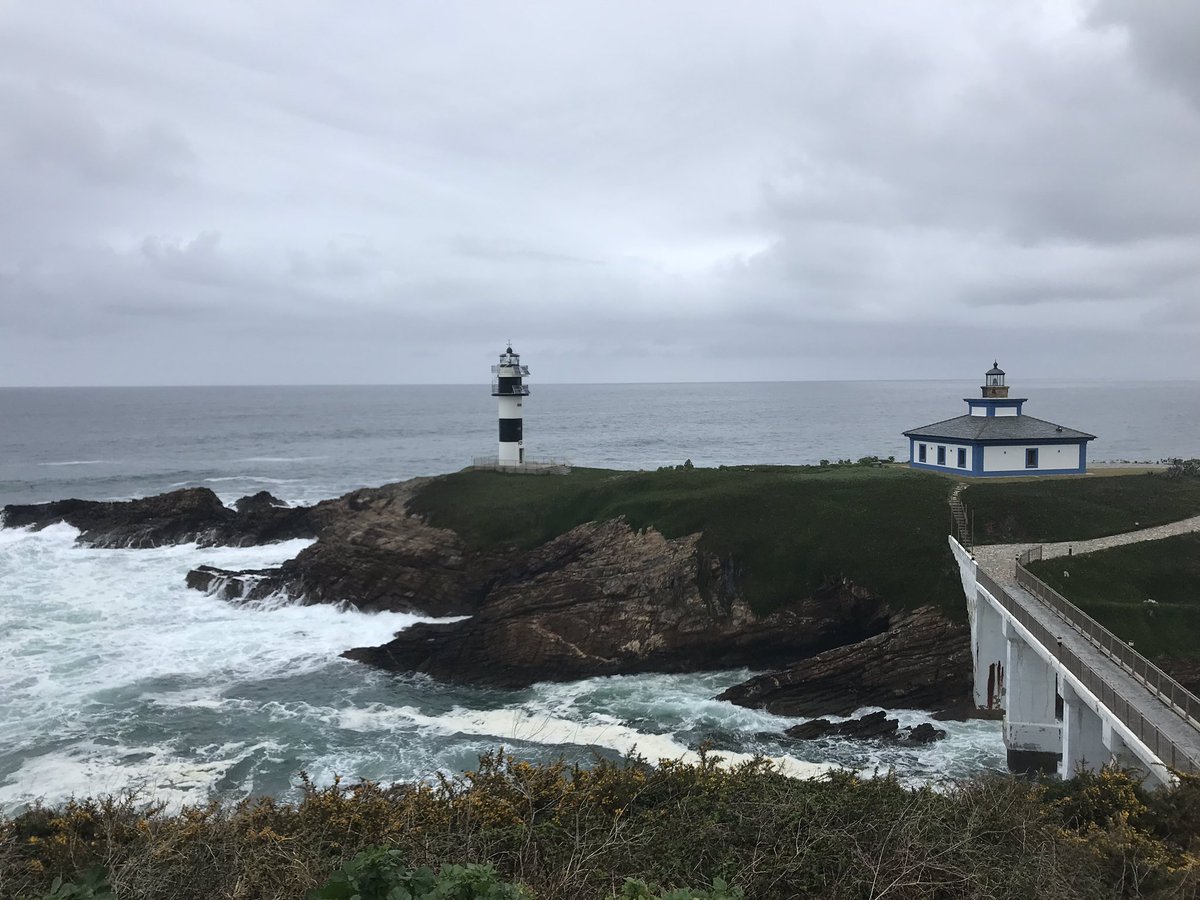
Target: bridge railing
(1164, 686)
(1149, 734)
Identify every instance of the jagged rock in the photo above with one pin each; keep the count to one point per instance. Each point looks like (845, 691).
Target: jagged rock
(229, 585)
(925, 733)
(922, 661)
(374, 554)
(262, 502)
(871, 726)
(604, 599)
(178, 517)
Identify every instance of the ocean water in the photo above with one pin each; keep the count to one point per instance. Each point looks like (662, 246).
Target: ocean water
(116, 676)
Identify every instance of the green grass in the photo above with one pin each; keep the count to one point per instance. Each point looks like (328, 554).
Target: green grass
(1112, 586)
(784, 530)
(1078, 508)
(788, 530)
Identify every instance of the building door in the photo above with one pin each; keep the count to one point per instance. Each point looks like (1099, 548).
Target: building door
(1031, 458)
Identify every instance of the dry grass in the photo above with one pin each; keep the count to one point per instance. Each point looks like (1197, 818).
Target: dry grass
(569, 832)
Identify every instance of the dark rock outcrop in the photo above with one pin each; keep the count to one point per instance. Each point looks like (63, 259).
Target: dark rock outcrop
(604, 599)
(872, 726)
(374, 554)
(922, 661)
(178, 517)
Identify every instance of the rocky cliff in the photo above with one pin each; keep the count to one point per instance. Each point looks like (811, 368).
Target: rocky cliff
(922, 661)
(604, 599)
(601, 599)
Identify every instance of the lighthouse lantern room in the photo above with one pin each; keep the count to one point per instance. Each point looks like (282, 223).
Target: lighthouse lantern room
(509, 389)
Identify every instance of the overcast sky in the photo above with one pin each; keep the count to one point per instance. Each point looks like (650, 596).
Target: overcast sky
(317, 192)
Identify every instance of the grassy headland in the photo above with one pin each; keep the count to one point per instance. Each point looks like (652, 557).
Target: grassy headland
(1075, 509)
(577, 834)
(787, 530)
(1112, 586)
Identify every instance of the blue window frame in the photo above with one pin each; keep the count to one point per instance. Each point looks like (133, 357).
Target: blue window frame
(941, 456)
(920, 453)
(962, 457)
(1031, 458)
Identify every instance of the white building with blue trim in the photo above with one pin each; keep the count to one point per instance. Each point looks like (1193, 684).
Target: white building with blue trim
(997, 438)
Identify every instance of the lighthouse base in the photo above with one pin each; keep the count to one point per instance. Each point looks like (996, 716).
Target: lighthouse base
(525, 467)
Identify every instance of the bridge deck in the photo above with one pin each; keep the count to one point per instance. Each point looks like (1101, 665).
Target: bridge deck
(1158, 723)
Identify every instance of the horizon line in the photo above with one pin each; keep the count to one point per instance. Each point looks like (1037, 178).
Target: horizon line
(409, 384)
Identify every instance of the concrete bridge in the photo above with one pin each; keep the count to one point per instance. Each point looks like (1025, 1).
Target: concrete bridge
(1073, 694)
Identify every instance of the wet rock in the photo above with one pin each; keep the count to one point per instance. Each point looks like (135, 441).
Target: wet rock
(178, 517)
(871, 726)
(922, 661)
(229, 585)
(374, 554)
(262, 502)
(925, 733)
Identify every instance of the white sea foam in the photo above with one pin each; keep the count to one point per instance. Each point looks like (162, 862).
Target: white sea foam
(86, 630)
(151, 772)
(526, 726)
(76, 462)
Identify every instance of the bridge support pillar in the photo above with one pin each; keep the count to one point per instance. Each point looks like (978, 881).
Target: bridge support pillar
(989, 650)
(1083, 744)
(1032, 735)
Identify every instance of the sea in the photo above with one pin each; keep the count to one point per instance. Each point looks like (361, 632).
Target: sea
(117, 677)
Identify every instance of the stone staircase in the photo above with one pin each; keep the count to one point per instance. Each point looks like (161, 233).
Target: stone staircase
(958, 514)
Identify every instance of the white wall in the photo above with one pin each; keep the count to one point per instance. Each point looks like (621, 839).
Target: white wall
(1012, 458)
(951, 455)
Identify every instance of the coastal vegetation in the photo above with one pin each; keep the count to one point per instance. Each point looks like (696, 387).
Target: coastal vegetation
(626, 830)
(1147, 593)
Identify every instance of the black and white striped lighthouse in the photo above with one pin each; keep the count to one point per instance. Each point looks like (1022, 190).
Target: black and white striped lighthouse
(507, 386)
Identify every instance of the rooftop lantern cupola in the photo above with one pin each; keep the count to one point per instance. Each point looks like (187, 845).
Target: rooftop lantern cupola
(993, 384)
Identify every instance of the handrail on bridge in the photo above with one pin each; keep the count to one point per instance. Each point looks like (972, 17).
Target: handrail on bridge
(1167, 688)
(1149, 734)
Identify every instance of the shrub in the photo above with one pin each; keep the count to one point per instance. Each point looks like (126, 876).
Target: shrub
(1184, 468)
(380, 874)
(636, 889)
(584, 833)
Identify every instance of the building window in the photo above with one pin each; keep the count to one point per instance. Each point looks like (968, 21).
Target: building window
(962, 458)
(941, 456)
(1031, 458)
(920, 453)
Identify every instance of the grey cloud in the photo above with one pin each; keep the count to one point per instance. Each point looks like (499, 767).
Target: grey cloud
(1163, 38)
(51, 129)
(285, 192)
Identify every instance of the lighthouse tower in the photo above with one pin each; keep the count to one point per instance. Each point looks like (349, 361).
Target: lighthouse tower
(507, 386)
